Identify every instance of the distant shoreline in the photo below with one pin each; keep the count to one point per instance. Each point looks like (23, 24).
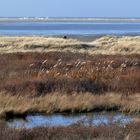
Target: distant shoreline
(46, 19)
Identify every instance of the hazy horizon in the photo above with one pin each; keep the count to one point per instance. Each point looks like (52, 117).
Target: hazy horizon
(69, 17)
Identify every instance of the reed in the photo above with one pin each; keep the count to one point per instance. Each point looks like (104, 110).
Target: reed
(43, 73)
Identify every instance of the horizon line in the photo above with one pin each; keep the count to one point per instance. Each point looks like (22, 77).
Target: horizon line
(69, 17)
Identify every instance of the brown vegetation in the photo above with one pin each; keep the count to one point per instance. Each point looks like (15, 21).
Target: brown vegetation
(43, 73)
(61, 82)
(73, 132)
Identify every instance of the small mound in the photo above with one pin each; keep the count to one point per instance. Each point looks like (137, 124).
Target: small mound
(118, 45)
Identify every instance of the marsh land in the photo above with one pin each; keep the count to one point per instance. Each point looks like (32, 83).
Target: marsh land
(62, 75)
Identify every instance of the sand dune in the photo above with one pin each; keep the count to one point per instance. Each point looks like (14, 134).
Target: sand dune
(118, 45)
(103, 45)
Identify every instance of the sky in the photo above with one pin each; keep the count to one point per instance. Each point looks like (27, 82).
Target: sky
(69, 8)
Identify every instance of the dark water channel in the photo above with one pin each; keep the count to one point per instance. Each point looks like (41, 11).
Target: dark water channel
(32, 121)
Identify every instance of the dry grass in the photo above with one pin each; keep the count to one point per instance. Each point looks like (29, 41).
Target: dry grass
(120, 45)
(73, 132)
(56, 102)
(105, 45)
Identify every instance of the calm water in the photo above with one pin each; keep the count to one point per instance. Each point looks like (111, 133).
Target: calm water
(86, 119)
(69, 28)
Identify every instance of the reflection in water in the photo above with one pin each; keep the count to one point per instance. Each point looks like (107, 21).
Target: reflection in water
(63, 120)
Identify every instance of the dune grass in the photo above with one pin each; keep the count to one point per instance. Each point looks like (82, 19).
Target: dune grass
(104, 45)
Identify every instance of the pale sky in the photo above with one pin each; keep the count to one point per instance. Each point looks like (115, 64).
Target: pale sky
(69, 8)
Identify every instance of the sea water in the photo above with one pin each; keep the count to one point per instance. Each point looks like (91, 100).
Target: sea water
(68, 28)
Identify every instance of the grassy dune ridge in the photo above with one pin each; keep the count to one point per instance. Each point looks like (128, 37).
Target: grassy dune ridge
(103, 45)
